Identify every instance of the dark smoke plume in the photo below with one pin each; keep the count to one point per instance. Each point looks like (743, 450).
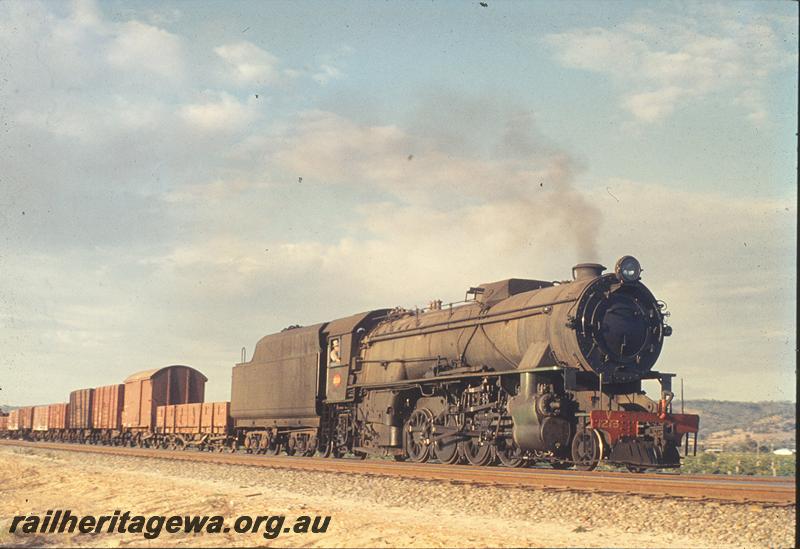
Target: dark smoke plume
(530, 169)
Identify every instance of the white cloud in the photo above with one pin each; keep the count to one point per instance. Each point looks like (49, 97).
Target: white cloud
(665, 66)
(654, 105)
(326, 73)
(220, 113)
(141, 47)
(330, 65)
(248, 64)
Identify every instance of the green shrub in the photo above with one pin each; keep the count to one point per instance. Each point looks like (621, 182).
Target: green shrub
(739, 463)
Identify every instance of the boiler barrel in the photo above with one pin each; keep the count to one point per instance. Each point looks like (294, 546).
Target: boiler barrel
(594, 323)
(497, 337)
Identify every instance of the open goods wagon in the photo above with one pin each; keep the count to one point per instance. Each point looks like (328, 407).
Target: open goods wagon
(21, 421)
(40, 416)
(80, 409)
(58, 416)
(107, 405)
(205, 425)
(93, 415)
(50, 422)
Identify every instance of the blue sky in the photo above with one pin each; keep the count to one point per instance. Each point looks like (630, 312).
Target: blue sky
(152, 210)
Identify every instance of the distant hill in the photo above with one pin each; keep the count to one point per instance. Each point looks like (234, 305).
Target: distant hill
(744, 425)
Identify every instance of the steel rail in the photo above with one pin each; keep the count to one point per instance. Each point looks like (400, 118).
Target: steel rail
(770, 491)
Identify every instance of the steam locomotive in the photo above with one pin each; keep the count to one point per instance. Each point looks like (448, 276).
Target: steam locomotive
(519, 372)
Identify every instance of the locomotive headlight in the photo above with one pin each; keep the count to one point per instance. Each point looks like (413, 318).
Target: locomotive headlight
(628, 269)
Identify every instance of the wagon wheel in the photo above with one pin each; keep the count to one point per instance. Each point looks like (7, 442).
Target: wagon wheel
(477, 453)
(587, 449)
(417, 435)
(509, 454)
(446, 451)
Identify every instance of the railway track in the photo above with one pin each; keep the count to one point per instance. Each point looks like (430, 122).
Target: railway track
(769, 491)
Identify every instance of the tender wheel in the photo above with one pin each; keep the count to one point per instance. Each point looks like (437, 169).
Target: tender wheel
(587, 449)
(447, 452)
(273, 448)
(476, 453)
(417, 435)
(291, 446)
(311, 447)
(509, 454)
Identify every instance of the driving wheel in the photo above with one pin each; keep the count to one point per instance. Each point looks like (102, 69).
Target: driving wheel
(477, 453)
(417, 435)
(446, 449)
(509, 454)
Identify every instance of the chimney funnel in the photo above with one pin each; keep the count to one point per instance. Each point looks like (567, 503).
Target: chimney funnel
(582, 271)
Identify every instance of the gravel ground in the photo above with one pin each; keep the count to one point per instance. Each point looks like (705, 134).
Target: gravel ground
(369, 511)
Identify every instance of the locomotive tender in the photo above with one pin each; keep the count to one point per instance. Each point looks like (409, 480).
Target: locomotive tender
(524, 371)
(521, 371)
